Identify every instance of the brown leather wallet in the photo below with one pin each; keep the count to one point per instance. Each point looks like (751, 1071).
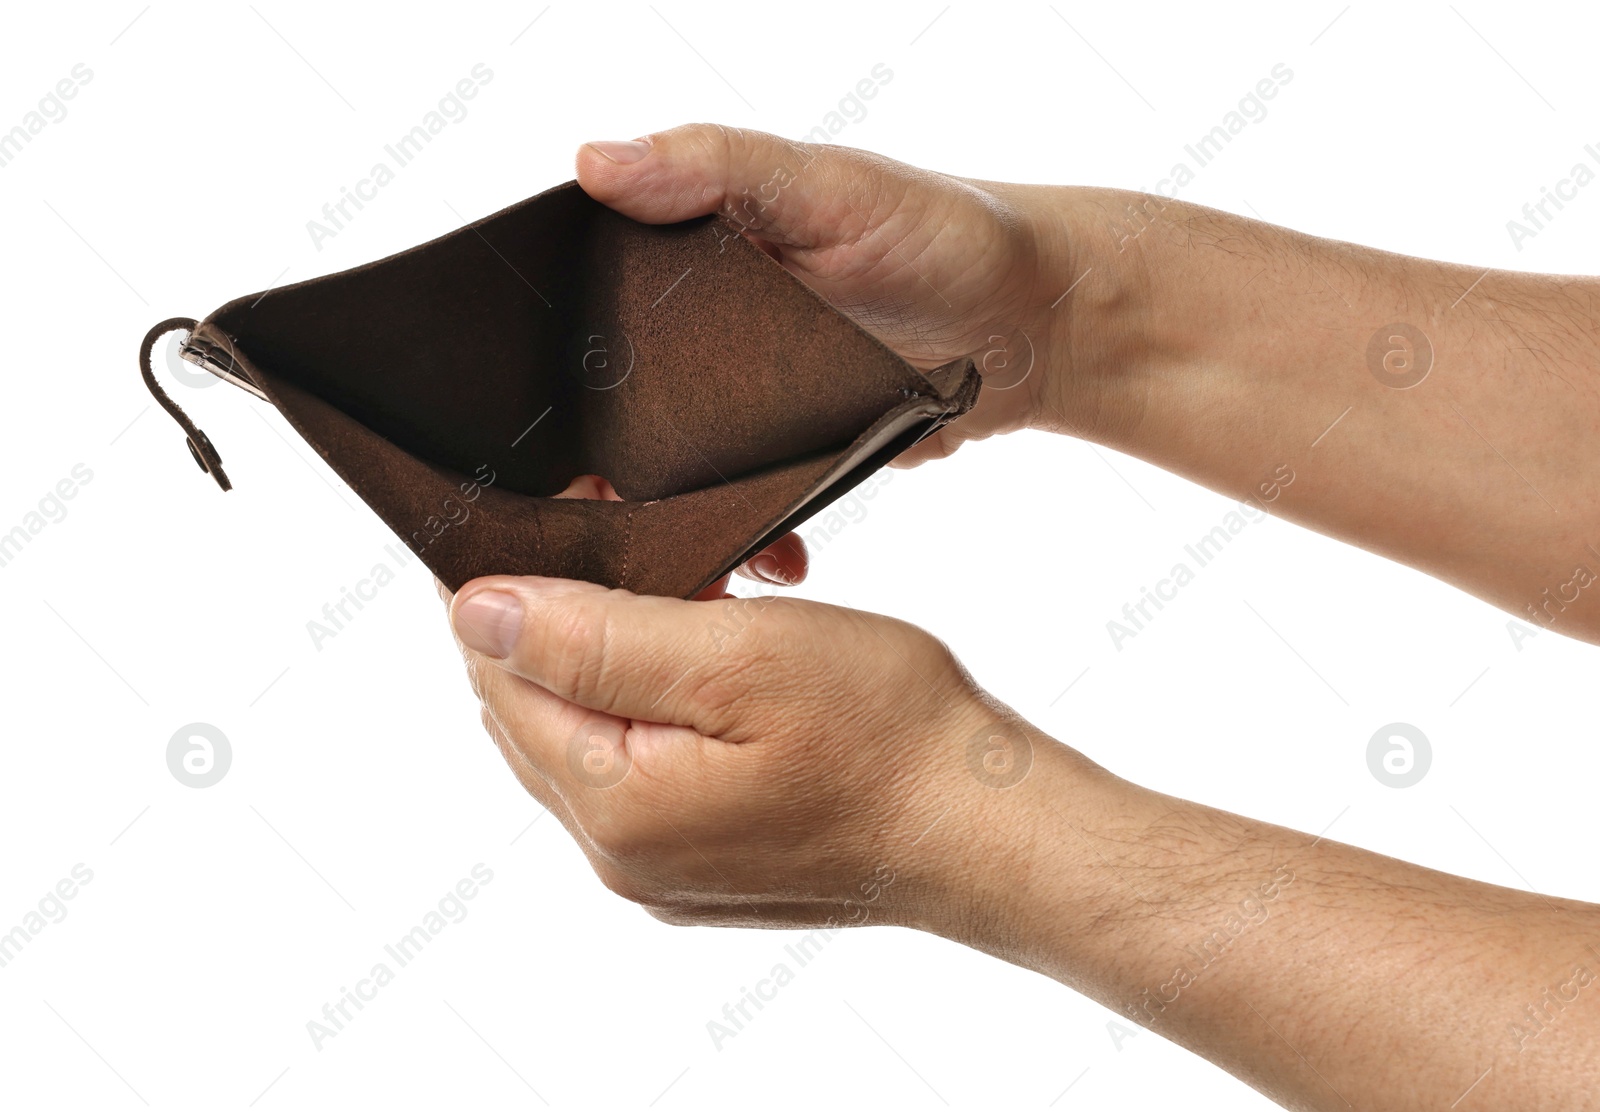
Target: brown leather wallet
(458, 385)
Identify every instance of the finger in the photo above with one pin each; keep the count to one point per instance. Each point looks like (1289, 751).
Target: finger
(636, 656)
(984, 420)
(569, 757)
(592, 487)
(782, 563)
(907, 253)
(538, 732)
(800, 195)
(533, 779)
(716, 590)
(941, 444)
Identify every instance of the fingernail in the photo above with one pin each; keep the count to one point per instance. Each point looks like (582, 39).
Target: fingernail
(489, 623)
(767, 568)
(622, 152)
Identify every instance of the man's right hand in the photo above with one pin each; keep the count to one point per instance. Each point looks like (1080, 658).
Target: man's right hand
(937, 267)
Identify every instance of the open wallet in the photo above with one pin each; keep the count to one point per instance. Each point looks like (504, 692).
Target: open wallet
(457, 386)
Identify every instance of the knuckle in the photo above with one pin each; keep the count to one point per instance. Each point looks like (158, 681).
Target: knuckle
(722, 140)
(765, 626)
(574, 642)
(752, 650)
(705, 144)
(718, 696)
(929, 653)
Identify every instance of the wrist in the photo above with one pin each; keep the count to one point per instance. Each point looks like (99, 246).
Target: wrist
(1096, 311)
(1012, 865)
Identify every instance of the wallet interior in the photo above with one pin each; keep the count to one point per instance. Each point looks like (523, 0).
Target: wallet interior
(458, 385)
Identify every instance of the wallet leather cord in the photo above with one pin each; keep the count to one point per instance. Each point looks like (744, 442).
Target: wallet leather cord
(457, 386)
(200, 446)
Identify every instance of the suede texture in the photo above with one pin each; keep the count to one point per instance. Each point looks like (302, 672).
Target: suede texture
(457, 385)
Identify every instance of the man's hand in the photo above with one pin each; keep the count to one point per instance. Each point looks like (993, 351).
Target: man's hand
(1443, 416)
(935, 266)
(759, 762)
(781, 763)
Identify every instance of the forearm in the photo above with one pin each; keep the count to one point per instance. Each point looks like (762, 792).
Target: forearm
(1259, 362)
(1323, 975)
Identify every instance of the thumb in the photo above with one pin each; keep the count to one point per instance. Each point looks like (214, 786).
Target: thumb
(634, 656)
(788, 193)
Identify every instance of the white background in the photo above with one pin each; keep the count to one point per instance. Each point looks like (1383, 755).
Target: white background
(220, 920)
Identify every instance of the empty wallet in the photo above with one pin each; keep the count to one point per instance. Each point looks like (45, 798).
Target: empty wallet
(457, 386)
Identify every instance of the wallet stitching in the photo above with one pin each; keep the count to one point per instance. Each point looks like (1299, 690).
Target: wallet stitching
(627, 542)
